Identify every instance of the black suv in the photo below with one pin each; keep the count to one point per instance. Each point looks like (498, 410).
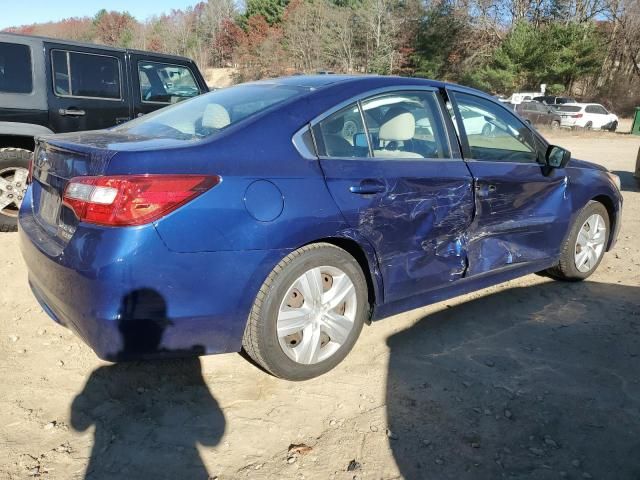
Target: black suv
(54, 86)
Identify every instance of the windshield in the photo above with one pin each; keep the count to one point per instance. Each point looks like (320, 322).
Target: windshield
(208, 114)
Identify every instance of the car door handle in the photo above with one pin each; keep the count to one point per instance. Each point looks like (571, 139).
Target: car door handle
(71, 112)
(368, 187)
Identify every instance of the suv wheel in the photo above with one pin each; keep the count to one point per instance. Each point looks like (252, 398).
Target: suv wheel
(555, 125)
(14, 170)
(614, 127)
(308, 314)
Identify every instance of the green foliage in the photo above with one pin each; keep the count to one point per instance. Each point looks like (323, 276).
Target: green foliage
(436, 42)
(556, 89)
(271, 10)
(555, 54)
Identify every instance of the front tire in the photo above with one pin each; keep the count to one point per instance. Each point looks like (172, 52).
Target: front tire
(308, 313)
(584, 248)
(14, 169)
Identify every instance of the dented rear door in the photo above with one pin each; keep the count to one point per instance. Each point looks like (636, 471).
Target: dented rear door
(522, 209)
(414, 211)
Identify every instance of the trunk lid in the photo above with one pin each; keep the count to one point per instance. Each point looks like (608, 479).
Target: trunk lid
(54, 164)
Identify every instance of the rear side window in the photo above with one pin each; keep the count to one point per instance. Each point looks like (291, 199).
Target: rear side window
(166, 83)
(86, 75)
(342, 135)
(15, 68)
(596, 109)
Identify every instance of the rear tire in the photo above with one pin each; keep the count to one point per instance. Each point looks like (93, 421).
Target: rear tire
(572, 265)
(588, 126)
(14, 167)
(271, 340)
(555, 125)
(614, 127)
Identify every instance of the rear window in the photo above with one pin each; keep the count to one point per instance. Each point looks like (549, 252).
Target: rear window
(166, 83)
(208, 114)
(15, 68)
(569, 108)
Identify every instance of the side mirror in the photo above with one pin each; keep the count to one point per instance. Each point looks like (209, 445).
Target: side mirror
(557, 157)
(360, 140)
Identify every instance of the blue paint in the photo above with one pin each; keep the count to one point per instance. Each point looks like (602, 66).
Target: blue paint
(435, 231)
(263, 201)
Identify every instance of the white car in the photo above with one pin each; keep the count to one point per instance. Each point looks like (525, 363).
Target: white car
(591, 116)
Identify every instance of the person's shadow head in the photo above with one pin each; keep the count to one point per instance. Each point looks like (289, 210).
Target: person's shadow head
(524, 382)
(142, 320)
(150, 415)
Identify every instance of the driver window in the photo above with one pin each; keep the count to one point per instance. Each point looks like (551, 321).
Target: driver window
(492, 133)
(165, 83)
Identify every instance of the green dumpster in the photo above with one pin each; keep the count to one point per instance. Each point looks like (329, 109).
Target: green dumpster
(635, 129)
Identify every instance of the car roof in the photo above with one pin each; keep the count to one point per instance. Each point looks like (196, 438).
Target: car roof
(8, 37)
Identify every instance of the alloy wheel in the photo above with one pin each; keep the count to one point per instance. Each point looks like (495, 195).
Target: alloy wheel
(590, 243)
(317, 315)
(13, 186)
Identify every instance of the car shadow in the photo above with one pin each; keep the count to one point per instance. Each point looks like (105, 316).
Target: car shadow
(527, 382)
(149, 416)
(628, 183)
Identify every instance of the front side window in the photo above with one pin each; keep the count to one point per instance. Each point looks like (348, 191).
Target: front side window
(85, 75)
(15, 68)
(492, 133)
(209, 114)
(166, 83)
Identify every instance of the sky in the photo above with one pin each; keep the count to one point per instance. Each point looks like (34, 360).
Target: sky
(26, 12)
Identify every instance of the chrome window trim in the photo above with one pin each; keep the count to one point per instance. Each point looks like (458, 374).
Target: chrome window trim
(299, 144)
(68, 52)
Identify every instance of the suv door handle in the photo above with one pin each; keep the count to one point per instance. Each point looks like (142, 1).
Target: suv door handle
(71, 112)
(368, 187)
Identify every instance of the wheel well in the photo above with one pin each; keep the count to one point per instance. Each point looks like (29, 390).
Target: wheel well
(17, 141)
(355, 250)
(608, 204)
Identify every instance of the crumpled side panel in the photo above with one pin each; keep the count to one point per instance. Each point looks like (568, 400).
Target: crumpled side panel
(521, 215)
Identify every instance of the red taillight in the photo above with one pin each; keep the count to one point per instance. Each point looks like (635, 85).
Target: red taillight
(132, 199)
(578, 115)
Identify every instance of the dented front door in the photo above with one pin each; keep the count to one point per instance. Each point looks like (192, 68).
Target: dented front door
(521, 215)
(522, 211)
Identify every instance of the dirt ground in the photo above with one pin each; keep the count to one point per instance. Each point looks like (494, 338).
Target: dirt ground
(529, 379)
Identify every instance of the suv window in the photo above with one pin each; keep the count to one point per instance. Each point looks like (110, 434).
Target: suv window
(90, 75)
(15, 68)
(494, 134)
(596, 109)
(166, 83)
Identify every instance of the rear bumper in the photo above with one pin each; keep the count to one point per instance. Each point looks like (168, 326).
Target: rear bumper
(127, 296)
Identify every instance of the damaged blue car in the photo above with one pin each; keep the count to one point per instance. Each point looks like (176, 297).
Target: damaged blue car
(280, 216)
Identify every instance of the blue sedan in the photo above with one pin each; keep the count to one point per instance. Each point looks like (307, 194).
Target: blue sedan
(282, 215)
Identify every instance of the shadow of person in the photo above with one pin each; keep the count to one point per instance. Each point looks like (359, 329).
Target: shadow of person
(149, 416)
(528, 382)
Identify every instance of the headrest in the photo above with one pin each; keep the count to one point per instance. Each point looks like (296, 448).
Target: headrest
(398, 125)
(215, 116)
(335, 125)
